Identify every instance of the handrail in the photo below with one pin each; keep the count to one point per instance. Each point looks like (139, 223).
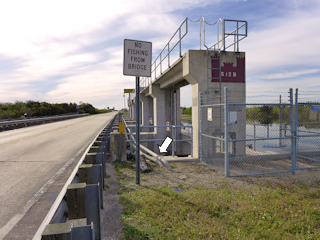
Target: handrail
(159, 158)
(158, 62)
(155, 65)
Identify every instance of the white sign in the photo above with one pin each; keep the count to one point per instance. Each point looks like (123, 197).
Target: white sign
(137, 58)
(209, 114)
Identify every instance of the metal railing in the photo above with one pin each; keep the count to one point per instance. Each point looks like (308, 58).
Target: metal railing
(239, 33)
(181, 32)
(34, 121)
(181, 138)
(224, 35)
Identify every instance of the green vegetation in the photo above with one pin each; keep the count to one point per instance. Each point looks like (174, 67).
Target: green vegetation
(186, 115)
(165, 207)
(187, 111)
(38, 109)
(269, 115)
(125, 113)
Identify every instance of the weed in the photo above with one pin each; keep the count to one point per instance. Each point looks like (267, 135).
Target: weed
(303, 187)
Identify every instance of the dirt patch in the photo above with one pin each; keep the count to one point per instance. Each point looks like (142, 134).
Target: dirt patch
(186, 173)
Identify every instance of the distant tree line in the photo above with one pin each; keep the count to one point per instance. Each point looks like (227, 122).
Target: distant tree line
(40, 109)
(269, 115)
(187, 111)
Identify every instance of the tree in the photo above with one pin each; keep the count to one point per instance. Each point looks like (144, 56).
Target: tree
(187, 111)
(266, 115)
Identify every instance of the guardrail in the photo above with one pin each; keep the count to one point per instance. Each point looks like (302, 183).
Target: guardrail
(81, 196)
(12, 124)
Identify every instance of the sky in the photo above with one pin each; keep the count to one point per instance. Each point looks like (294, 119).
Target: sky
(72, 50)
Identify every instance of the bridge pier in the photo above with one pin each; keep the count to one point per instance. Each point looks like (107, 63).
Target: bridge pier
(146, 110)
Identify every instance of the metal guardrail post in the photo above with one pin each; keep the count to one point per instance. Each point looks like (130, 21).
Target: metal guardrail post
(226, 130)
(92, 201)
(83, 233)
(101, 159)
(97, 178)
(76, 201)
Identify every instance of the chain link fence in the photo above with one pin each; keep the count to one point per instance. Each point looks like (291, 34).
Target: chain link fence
(239, 139)
(307, 129)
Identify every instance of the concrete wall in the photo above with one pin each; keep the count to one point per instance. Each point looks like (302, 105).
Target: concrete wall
(196, 67)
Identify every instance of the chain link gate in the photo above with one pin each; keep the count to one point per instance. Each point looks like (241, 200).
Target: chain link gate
(307, 127)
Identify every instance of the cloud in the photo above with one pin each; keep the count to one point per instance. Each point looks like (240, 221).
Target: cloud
(283, 43)
(73, 50)
(291, 74)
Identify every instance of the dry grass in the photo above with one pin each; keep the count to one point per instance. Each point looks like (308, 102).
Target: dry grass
(191, 201)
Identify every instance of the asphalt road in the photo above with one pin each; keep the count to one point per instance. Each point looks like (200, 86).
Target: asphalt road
(35, 162)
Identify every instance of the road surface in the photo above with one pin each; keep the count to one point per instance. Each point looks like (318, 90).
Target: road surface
(35, 162)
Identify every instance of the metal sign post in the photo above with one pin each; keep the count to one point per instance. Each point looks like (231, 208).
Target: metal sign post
(137, 62)
(138, 130)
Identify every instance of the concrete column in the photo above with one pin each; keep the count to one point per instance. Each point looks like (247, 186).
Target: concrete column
(159, 105)
(129, 109)
(160, 113)
(175, 115)
(196, 73)
(133, 109)
(146, 109)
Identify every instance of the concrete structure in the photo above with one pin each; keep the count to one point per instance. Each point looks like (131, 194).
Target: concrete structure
(202, 69)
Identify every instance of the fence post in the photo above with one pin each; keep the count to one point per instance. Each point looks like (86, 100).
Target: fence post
(192, 139)
(254, 136)
(200, 128)
(172, 136)
(226, 131)
(293, 145)
(296, 143)
(280, 123)
(130, 137)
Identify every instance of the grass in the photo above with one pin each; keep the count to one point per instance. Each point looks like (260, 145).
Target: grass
(186, 116)
(222, 210)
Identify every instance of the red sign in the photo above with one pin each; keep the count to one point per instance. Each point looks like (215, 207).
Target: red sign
(229, 72)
